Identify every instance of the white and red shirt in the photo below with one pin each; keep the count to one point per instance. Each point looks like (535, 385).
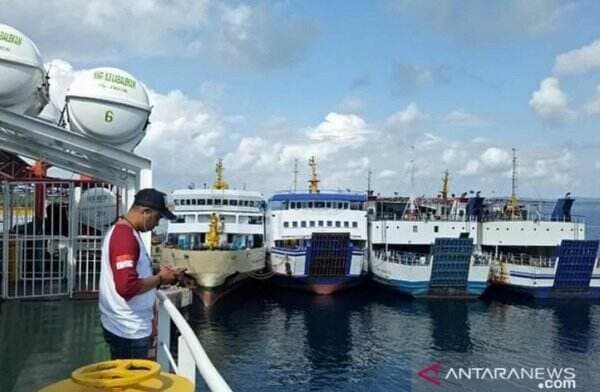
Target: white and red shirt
(125, 263)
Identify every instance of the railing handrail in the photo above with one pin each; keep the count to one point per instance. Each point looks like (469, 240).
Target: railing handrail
(210, 374)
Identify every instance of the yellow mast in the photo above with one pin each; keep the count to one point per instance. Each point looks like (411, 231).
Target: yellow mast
(512, 206)
(444, 190)
(219, 183)
(212, 236)
(314, 180)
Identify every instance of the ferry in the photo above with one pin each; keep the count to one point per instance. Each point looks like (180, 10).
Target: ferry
(316, 241)
(218, 236)
(428, 247)
(542, 256)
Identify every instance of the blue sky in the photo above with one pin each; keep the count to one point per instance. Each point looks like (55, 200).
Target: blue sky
(361, 84)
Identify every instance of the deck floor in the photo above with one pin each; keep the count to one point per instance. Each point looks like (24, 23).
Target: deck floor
(42, 341)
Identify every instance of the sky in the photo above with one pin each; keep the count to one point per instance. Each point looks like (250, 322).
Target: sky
(404, 89)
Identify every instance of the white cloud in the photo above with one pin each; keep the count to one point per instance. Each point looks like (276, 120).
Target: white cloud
(550, 102)
(496, 159)
(405, 118)
(343, 130)
(386, 173)
(460, 117)
(592, 107)
(578, 61)
(242, 36)
(471, 168)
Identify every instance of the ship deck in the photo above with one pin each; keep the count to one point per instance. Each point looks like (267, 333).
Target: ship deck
(42, 342)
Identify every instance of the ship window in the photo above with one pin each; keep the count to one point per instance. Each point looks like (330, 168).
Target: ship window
(319, 204)
(320, 223)
(294, 224)
(303, 224)
(522, 229)
(328, 204)
(194, 202)
(507, 229)
(225, 202)
(310, 204)
(286, 224)
(293, 205)
(312, 223)
(209, 202)
(355, 224)
(415, 229)
(217, 202)
(176, 201)
(453, 228)
(436, 229)
(245, 203)
(345, 206)
(338, 224)
(233, 202)
(329, 224)
(346, 224)
(547, 229)
(201, 202)
(497, 228)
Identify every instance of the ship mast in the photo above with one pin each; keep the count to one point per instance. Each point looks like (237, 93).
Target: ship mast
(219, 183)
(444, 190)
(314, 180)
(295, 175)
(512, 207)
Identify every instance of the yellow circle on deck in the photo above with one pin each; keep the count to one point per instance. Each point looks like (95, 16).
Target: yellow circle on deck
(126, 375)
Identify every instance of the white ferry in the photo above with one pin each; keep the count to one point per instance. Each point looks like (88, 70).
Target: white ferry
(543, 256)
(218, 236)
(427, 247)
(317, 240)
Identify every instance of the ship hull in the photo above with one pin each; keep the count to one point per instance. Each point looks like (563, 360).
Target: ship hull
(318, 285)
(216, 272)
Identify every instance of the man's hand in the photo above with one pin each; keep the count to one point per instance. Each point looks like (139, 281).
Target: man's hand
(170, 275)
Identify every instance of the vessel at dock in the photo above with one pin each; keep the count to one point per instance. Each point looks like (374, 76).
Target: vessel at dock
(218, 236)
(428, 247)
(317, 240)
(543, 256)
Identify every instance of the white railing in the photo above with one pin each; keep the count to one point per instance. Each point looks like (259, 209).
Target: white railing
(190, 354)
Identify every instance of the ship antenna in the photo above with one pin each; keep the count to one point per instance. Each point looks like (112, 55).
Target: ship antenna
(444, 190)
(412, 170)
(369, 191)
(314, 180)
(219, 183)
(512, 207)
(295, 174)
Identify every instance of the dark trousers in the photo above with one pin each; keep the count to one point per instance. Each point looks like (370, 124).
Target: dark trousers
(123, 348)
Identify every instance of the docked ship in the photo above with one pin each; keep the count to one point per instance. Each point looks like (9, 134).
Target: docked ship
(218, 236)
(317, 240)
(542, 256)
(428, 247)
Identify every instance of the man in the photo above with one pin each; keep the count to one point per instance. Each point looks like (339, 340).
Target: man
(127, 284)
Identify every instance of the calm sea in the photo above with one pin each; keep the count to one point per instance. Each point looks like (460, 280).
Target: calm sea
(266, 339)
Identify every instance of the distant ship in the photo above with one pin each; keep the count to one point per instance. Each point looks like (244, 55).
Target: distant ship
(317, 240)
(428, 247)
(218, 236)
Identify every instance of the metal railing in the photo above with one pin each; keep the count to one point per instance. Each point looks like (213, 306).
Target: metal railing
(404, 258)
(526, 259)
(190, 354)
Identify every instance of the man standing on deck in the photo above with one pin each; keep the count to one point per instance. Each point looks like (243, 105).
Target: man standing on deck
(127, 285)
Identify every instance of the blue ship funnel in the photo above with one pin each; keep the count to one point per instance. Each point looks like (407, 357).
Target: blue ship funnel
(562, 209)
(475, 207)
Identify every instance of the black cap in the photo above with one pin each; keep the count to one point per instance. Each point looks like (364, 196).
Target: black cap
(154, 199)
